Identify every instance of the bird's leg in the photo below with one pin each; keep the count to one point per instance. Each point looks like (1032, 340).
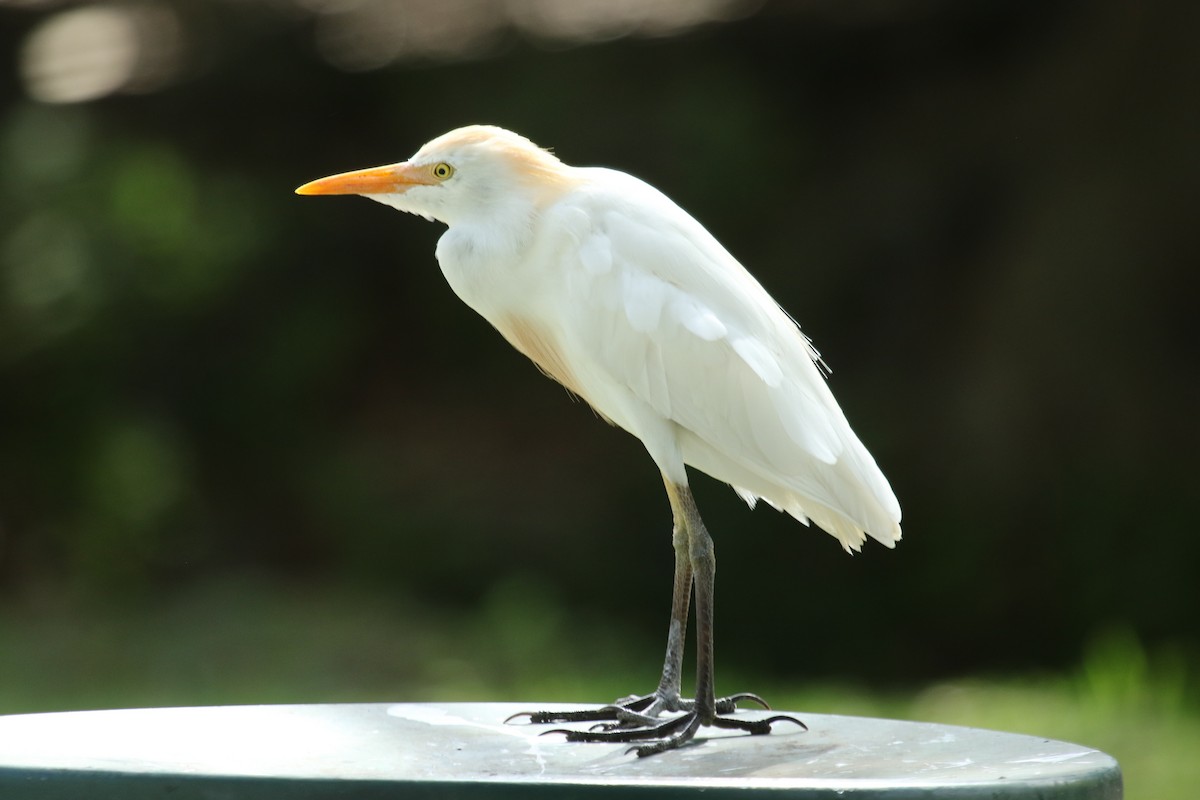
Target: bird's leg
(667, 693)
(704, 563)
(700, 575)
(642, 710)
(705, 708)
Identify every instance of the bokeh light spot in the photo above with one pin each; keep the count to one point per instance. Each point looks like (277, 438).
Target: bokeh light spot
(87, 53)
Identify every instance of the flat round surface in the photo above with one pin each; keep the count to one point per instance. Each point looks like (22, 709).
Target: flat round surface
(421, 750)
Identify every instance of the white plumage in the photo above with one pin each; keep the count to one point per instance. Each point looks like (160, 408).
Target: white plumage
(658, 327)
(621, 296)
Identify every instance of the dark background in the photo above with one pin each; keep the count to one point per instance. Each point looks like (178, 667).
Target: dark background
(983, 213)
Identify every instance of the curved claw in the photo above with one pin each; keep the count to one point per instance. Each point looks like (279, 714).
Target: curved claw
(754, 727)
(769, 721)
(557, 730)
(726, 705)
(529, 714)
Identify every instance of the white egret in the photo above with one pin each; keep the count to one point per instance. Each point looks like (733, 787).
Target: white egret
(618, 294)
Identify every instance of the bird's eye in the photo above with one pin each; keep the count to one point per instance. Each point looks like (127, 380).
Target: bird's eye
(442, 171)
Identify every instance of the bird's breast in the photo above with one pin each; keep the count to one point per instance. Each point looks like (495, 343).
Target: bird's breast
(518, 288)
(484, 264)
(539, 345)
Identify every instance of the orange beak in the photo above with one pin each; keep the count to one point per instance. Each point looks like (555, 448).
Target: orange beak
(392, 179)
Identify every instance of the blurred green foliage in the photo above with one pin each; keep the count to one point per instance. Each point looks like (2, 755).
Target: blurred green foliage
(982, 213)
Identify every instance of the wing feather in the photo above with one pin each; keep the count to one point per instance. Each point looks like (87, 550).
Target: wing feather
(679, 325)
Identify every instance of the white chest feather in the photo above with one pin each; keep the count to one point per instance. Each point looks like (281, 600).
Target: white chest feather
(478, 265)
(513, 288)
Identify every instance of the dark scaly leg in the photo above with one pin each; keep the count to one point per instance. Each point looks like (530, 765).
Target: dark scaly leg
(636, 718)
(643, 710)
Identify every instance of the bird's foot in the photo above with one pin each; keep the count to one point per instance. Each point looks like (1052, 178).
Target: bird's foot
(671, 733)
(632, 711)
(636, 719)
(635, 711)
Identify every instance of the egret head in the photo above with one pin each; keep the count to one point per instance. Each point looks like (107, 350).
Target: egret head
(469, 172)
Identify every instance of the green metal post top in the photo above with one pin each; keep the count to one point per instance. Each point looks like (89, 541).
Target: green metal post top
(443, 750)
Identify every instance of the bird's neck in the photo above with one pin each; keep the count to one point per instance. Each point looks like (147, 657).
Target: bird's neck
(479, 256)
(486, 254)
(497, 236)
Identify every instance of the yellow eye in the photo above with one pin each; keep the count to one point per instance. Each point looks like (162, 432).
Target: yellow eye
(442, 171)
